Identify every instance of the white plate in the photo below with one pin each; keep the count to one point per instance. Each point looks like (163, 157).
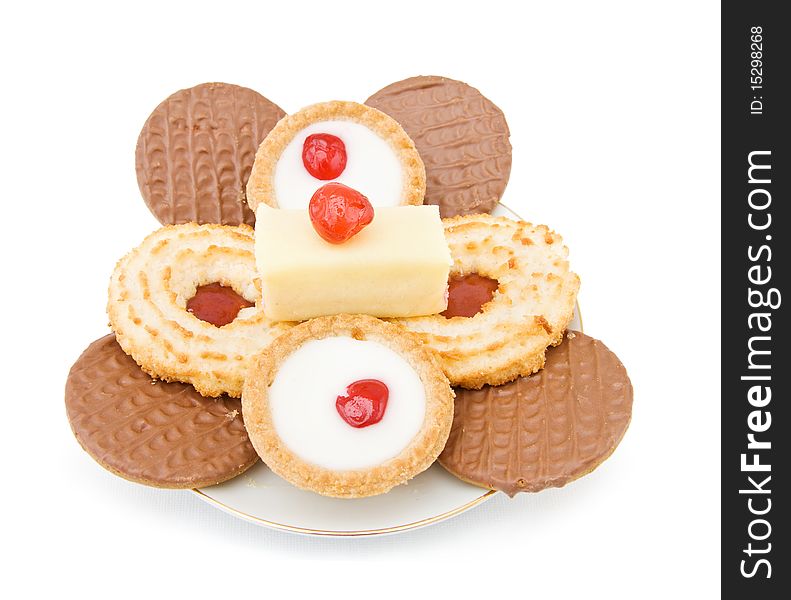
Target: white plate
(263, 498)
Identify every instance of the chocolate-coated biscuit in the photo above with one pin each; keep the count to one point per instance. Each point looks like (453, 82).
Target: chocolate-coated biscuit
(544, 430)
(196, 150)
(461, 136)
(156, 433)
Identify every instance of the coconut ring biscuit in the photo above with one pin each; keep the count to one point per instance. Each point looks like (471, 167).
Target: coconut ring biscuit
(462, 137)
(530, 308)
(195, 152)
(379, 159)
(347, 406)
(545, 430)
(152, 432)
(160, 289)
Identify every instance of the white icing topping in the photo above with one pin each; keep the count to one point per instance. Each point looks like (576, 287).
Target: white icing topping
(372, 167)
(302, 401)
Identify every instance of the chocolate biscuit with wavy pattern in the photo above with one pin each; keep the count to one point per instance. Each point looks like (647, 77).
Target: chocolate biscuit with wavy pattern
(160, 434)
(196, 150)
(461, 136)
(544, 430)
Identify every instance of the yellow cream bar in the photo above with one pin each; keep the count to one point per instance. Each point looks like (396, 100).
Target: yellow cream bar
(396, 267)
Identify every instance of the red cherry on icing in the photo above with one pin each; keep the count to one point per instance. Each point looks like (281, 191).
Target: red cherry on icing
(324, 155)
(338, 212)
(364, 403)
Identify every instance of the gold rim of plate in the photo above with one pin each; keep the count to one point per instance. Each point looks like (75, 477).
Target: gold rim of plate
(350, 533)
(363, 532)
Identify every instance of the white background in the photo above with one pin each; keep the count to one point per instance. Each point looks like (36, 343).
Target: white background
(614, 114)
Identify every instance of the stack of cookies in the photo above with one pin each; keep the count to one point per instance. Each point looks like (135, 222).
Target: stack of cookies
(329, 293)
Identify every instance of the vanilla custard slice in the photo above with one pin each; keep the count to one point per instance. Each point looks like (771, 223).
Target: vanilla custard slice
(395, 267)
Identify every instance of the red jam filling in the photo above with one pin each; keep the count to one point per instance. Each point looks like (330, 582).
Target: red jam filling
(467, 294)
(216, 304)
(364, 403)
(324, 155)
(339, 212)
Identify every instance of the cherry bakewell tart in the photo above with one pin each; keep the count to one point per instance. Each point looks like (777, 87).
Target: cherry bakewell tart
(347, 406)
(344, 142)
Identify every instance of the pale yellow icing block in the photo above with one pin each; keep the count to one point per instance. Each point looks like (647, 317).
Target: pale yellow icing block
(396, 267)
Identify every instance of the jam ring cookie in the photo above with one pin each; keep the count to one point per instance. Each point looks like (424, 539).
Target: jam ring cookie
(524, 296)
(347, 406)
(185, 306)
(345, 142)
